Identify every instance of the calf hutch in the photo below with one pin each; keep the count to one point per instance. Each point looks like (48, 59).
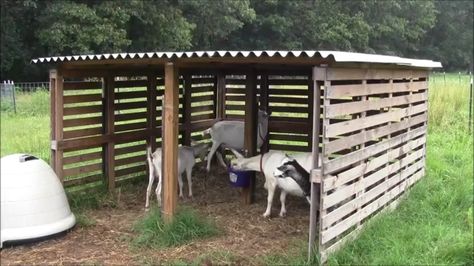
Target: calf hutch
(363, 115)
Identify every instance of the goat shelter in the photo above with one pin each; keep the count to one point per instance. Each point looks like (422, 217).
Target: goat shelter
(363, 115)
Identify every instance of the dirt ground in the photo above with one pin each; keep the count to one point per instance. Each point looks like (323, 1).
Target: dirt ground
(245, 233)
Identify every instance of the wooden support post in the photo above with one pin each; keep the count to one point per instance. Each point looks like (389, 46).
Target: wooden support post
(108, 114)
(187, 109)
(57, 132)
(250, 138)
(315, 188)
(264, 105)
(170, 142)
(151, 109)
(220, 95)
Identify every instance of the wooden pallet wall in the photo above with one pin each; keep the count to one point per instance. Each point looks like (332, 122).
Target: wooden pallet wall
(379, 119)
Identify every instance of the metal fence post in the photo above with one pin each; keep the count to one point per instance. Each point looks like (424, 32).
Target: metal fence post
(13, 95)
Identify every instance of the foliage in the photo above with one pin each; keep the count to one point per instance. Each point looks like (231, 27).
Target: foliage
(435, 29)
(187, 225)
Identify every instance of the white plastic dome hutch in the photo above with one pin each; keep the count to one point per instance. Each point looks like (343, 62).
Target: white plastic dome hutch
(33, 201)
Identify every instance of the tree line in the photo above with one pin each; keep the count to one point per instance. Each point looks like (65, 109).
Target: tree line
(438, 30)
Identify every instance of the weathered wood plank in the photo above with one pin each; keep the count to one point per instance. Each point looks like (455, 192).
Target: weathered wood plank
(82, 98)
(371, 73)
(82, 180)
(362, 137)
(361, 106)
(130, 105)
(130, 170)
(331, 182)
(352, 90)
(344, 192)
(348, 159)
(130, 116)
(250, 136)
(130, 95)
(83, 169)
(336, 129)
(130, 160)
(295, 100)
(343, 226)
(80, 110)
(82, 85)
(130, 83)
(82, 121)
(82, 157)
(273, 91)
(130, 126)
(70, 134)
(130, 149)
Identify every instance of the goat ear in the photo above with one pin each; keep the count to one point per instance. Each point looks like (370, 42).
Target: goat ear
(237, 154)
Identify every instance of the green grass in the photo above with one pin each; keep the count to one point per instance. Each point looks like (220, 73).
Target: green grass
(186, 226)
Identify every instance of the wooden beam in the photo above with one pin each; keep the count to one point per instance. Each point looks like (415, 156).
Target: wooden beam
(220, 95)
(57, 131)
(151, 109)
(108, 159)
(264, 105)
(187, 110)
(250, 138)
(170, 142)
(315, 187)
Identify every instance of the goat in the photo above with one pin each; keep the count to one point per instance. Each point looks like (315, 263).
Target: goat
(186, 160)
(293, 178)
(267, 163)
(230, 134)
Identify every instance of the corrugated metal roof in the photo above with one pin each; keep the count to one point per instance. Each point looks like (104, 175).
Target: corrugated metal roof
(339, 57)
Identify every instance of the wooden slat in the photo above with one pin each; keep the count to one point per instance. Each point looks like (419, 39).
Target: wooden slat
(130, 149)
(207, 80)
(275, 99)
(202, 117)
(130, 160)
(362, 137)
(288, 137)
(130, 170)
(82, 98)
(250, 130)
(82, 132)
(83, 169)
(130, 105)
(130, 126)
(289, 147)
(369, 121)
(130, 95)
(202, 108)
(361, 106)
(235, 98)
(82, 180)
(371, 73)
(235, 81)
(331, 182)
(82, 157)
(288, 82)
(79, 110)
(234, 90)
(82, 85)
(288, 109)
(202, 98)
(289, 126)
(202, 89)
(339, 228)
(130, 116)
(82, 121)
(273, 91)
(130, 83)
(346, 191)
(341, 91)
(348, 159)
(232, 107)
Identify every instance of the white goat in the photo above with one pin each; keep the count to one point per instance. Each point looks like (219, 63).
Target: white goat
(230, 134)
(270, 161)
(186, 160)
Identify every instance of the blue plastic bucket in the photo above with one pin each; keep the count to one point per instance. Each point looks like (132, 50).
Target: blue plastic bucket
(239, 178)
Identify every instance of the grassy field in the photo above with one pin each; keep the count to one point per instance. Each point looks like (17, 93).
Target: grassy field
(433, 225)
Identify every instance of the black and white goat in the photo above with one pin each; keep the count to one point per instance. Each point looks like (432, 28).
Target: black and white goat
(230, 134)
(268, 163)
(293, 178)
(186, 160)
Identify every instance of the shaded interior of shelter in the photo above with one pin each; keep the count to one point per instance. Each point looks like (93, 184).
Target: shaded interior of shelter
(205, 96)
